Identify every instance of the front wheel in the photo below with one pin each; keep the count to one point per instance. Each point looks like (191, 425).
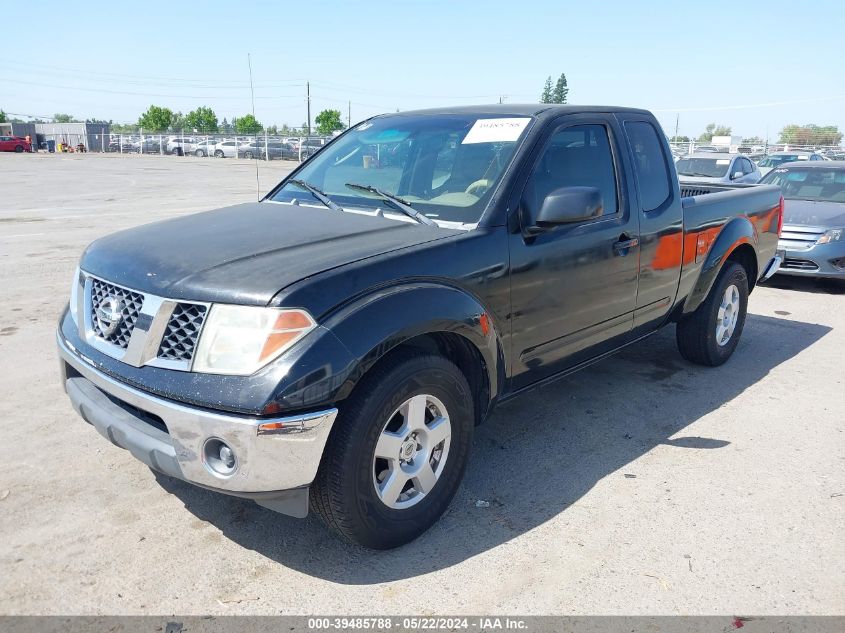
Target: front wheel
(218, 153)
(397, 453)
(248, 155)
(18, 149)
(710, 335)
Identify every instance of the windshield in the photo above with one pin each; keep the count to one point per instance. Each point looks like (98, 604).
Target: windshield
(445, 166)
(709, 167)
(774, 161)
(808, 184)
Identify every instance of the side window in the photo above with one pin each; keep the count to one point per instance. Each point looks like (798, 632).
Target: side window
(649, 164)
(577, 156)
(747, 167)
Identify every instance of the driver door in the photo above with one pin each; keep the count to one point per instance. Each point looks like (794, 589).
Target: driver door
(574, 286)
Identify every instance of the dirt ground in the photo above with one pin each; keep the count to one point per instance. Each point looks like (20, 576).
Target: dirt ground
(643, 485)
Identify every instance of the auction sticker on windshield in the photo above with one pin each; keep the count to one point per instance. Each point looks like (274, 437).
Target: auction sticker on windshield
(495, 130)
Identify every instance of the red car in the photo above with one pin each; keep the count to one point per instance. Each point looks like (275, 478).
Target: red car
(14, 144)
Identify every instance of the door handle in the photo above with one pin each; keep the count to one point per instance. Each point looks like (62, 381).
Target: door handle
(625, 243)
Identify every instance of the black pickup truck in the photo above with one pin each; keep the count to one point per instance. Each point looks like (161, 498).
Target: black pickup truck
(334, 345)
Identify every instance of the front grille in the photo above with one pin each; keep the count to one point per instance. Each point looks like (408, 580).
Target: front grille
(798, 238)
(130, 302)
(183, 329)
(799, 264)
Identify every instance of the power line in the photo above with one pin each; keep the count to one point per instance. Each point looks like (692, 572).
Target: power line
(142, 94)
(51, 69)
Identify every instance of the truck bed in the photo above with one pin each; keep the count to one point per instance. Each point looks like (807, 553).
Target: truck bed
(724, 212)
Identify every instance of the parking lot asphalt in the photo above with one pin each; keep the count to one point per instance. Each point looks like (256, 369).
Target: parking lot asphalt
(642, 485)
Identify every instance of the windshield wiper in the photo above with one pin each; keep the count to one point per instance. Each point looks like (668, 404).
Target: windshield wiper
(400, 204)
(695, 174)
(316, 193)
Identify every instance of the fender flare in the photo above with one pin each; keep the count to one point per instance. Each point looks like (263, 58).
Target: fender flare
(375, 324)
(734, 233)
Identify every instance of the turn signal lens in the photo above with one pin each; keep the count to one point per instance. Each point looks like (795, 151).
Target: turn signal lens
(240, 340)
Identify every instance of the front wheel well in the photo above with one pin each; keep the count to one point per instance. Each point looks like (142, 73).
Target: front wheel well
(745, 256)
(462, 353)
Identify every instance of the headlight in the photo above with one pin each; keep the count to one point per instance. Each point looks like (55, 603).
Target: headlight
(240, 340)
(74, 296)
(832, 235)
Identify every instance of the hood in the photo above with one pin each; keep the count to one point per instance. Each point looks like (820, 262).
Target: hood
(719, 179)
(247, 253)
(822, 214)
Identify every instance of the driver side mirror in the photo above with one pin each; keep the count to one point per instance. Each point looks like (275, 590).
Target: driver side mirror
(737, 174)
(569, 204)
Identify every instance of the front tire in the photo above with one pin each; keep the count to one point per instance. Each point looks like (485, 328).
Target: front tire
(18, 149)
(710, 335)
(397, 453)
(218, 153)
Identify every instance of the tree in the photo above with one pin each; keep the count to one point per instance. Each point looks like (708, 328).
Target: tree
(156, 119)
(679, 139)
(752, 140)
(2, 116)
(561, 90)
(247, 124)
(226, 127)
(546, 97)
(714, 130)
(202, 120)
(178, 122)
(98, 121)
(63, 118)
(811, 134)
(328, 121)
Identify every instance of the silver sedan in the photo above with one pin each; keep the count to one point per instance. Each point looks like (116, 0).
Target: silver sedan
(717, 167)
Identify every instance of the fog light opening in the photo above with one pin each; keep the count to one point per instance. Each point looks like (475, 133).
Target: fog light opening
(219, 457)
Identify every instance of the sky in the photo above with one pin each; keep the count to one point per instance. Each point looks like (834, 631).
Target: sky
(755, 66)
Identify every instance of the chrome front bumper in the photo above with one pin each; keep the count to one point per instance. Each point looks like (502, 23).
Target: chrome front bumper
(272, 455)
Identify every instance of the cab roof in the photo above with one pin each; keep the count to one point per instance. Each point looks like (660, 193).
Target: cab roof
(527, 109)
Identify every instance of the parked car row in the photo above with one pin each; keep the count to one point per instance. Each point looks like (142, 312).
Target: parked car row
(289, 148)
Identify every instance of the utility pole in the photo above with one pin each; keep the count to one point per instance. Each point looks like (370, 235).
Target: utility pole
(677, 120)
(308, 96)
(349, 114)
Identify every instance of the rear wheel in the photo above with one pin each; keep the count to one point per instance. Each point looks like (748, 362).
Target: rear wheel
(199, 153)
(218, 153)
(248, 155)
(397, 453)
(710, 335)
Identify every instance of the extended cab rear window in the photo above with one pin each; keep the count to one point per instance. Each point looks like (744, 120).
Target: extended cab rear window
(650, 165)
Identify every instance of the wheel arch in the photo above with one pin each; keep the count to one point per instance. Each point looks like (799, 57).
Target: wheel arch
(737, 242)
(430, 318)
